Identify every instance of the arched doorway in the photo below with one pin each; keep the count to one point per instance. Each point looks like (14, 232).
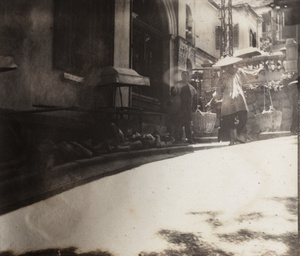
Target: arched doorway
(189, 25)
(189, 66)
(150, 44)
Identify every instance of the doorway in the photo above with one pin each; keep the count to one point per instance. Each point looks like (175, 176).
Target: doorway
(148, 47)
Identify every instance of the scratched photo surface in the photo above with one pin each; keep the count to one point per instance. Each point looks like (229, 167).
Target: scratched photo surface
(149, 127)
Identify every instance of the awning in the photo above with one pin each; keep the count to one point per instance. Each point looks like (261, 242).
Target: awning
(7, 63)
(267, 57)
(116, 76)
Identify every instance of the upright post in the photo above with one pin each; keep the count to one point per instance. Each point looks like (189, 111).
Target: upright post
(223, 28)
(230, 29)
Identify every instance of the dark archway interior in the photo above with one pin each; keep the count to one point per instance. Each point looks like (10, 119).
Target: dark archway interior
(148, 37)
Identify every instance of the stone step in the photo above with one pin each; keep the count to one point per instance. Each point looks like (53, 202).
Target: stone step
(271, 135)
(206, 139)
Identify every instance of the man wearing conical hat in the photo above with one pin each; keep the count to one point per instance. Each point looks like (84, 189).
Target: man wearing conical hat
(234, 107)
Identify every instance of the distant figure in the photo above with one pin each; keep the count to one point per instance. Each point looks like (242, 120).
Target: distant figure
(172, 107)
(188, 96)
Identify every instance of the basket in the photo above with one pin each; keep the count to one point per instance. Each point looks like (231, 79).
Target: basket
(269, 121)
(203, 122)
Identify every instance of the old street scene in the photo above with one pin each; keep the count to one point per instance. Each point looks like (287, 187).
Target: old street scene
(149, 127)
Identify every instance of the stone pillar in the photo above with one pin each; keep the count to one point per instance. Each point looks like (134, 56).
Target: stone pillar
(122, 45)
(291, 55)
(169, 65)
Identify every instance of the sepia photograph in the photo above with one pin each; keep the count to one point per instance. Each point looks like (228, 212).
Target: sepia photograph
(149, 127)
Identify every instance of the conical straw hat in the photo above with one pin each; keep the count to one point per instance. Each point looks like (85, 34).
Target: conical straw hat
(228, 60)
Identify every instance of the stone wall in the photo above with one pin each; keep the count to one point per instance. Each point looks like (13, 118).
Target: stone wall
(26, 33)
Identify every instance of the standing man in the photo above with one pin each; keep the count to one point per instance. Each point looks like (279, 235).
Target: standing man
(188, 96)
(172, 107)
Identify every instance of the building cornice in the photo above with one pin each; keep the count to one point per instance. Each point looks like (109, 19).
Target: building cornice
(212, 2)
(207, 55)
(246, 7)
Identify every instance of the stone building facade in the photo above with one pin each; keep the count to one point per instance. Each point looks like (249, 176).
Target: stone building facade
(85, 60)
(59, 46)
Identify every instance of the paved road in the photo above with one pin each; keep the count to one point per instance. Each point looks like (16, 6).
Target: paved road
(238, 200)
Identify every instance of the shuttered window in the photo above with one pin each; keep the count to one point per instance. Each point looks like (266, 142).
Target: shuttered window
(218, 34)
(236, 35)
(83, 35)
(252, 38)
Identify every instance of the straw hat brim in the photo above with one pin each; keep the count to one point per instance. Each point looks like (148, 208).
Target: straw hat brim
(227, 61)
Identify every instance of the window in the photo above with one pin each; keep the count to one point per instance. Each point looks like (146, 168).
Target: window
(266, 21)
(218, 34)
(252, 37)
(83, 35)
(236, 35)
(189, 25)
(288, 30)
(254, 40)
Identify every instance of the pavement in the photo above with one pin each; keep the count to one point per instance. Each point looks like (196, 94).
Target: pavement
(239, 200)
(25, 188)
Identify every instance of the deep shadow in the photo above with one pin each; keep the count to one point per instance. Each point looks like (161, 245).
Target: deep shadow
(187, 244)
(291, 204)
(244, 235)
(42, 187)
(71, 251)
(250, 217)
(213, 214)
(212, 220)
